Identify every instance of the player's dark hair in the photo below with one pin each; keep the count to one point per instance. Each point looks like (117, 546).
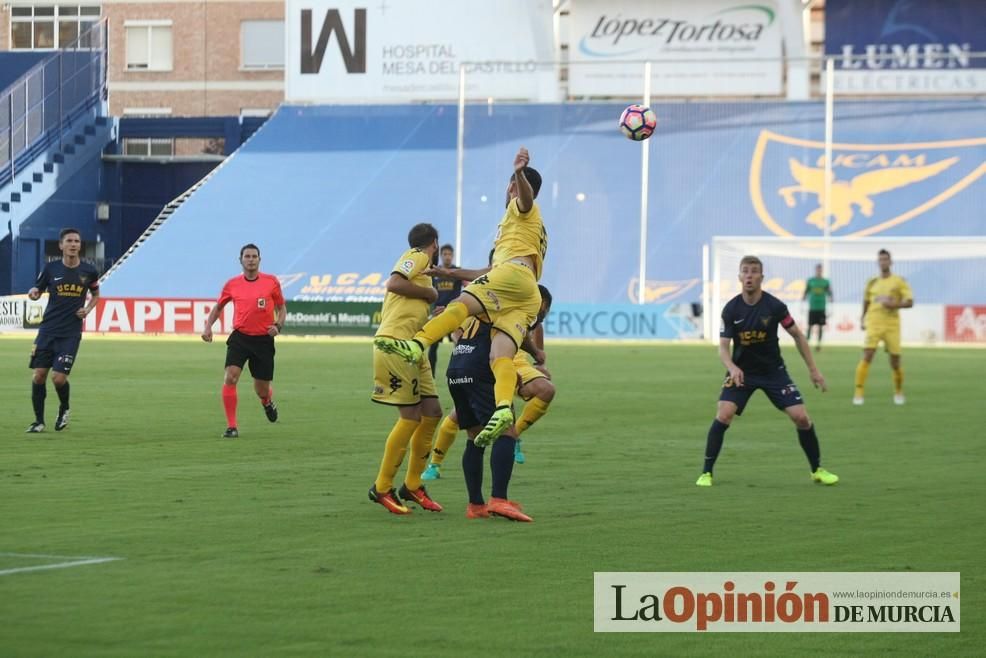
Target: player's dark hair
(249, 245)
(68, 231)
(533, 177)
(447, 247)
(546, 302)
(883, 252)
(421, 235)
(751, 260)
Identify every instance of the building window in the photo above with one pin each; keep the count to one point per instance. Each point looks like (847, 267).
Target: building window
(148, 145)
(262, 45)
(49, 26)
(148, 45)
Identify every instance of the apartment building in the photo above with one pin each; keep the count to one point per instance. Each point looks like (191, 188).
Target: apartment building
(177, 57)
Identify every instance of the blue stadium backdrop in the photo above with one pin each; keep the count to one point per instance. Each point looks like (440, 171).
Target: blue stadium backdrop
(329, 193)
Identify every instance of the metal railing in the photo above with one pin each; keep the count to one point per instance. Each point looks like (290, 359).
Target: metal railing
(39, 109)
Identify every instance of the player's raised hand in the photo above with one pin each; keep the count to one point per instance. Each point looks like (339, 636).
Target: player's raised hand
(34, 294)
(522, 159)
(736, 375)
(207, 335)
(818, 380)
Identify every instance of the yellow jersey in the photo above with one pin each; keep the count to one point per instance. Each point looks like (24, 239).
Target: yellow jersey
(892, 286)
(521, 234)
(402, 316)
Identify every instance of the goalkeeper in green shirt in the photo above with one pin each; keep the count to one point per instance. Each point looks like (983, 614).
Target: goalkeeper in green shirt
(818, 290)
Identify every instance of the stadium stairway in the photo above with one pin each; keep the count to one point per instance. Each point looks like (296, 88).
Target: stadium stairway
(320, 190)
(38, 179)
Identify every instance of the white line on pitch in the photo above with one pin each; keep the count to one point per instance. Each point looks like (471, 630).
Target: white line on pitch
(59, 565)
(47, 557)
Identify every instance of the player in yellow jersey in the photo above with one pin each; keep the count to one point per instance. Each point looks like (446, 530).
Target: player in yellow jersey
(534, 386)
(882, 299)
(408, 386)
(507, 295)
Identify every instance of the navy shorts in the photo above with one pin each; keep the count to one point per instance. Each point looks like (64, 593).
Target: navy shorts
(474, 399)
(783, 392)
(258, 350)
(57, 353)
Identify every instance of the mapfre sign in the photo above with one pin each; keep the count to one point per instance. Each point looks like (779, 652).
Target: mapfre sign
(342, 51)
(156, 316)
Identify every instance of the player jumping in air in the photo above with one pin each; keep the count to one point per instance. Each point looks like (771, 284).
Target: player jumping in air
(885, 295)
(67, 282)
(260, 312)
(409, 387)
(818, 290)
(750, 321)
(507, 295)
(534, 386)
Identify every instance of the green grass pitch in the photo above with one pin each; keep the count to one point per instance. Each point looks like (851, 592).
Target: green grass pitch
(267, 545)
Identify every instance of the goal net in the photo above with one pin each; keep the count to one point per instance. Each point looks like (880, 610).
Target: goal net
(947, 276)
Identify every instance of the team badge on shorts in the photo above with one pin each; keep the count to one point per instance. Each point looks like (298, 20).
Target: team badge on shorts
(494, 299)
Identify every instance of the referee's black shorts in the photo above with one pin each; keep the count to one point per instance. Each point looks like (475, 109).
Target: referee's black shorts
(816, 317)
(258, 350)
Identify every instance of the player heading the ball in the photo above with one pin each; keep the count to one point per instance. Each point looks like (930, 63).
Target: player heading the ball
(507, 296)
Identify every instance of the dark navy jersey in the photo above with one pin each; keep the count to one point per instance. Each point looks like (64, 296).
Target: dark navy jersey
(753, 329)
(471, 355)
(67, 288)
(448, 289)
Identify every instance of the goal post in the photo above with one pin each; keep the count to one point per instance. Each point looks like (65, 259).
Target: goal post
(946, 274)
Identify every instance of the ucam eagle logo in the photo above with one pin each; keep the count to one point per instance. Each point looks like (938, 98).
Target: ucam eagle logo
(872, 187)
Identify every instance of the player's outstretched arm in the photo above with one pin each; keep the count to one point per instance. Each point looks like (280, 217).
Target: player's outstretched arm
(401, 286)
(805, 351)
(457, 273)
(888, 302)
(525, 193)
(727, 360)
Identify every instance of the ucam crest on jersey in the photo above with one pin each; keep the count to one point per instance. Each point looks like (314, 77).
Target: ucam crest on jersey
(873, 186)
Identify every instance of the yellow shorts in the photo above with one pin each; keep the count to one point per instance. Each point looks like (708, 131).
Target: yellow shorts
(399, 383)
(509, 294)
(525, 370)
(889, 335)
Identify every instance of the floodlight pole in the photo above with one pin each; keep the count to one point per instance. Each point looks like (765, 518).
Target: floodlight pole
(459, 156)
(827, 203)
(644, 175)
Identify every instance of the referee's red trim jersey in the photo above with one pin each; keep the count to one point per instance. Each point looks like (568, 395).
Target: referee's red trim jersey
(254, 302)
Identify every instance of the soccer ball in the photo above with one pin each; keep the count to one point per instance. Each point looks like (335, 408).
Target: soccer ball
(638, 122)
